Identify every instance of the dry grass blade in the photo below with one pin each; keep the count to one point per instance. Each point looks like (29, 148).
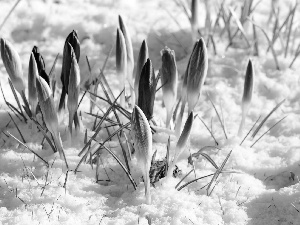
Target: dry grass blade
(267, 117)
(267, 131)
(223, 127)
(293, 11)
(123, 167)
(212, 135)
(240, 26)
(250, 130)
(22, 143)
(23, 139)
(10, 12)
(98, 127)
(216, 175)
(183, 178)
(192, 181)
(269, 42)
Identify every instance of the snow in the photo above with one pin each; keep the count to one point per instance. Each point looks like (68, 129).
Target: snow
(263, 188)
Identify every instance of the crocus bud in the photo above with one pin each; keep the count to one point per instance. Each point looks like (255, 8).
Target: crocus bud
(72, 44)
(13, 65)
(32, 75)
(121, 61)
(247, 96)
(196, 74)
(169, 77)
(182, 141)
(142, 137)
(129, 50)
(147, 89)
(46, 103)
(73, 92)
(142, 58)
(194, 18)
(38, 59)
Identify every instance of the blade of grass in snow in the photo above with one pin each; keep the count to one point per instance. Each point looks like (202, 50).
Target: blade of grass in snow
(9, 13)
(216, 175)
(183, 178)
(192, 181)
(247, 96)
(250, 130)
(212, 135)
(22, 143)
(23, 139)
(223, 127)
(267, 131)
(293, 11)
(265, 119)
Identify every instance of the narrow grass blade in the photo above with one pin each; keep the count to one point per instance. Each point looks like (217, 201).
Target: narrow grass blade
(23, 139)
(212, 135)
(267, 117)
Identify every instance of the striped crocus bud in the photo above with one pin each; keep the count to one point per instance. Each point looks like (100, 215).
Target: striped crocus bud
(13, 65)
(46, 103)
(32, 75)
(142, 137)
(247, 96)
(182, 141)
(169, 77)
(40, 64)
(72, 44)
(194, 20)
(196, 73)
(130, 58)
(73, 93)
(121, 61)
(147, 89)
(142, 58)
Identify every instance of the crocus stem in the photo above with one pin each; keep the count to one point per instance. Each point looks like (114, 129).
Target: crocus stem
(245, 108)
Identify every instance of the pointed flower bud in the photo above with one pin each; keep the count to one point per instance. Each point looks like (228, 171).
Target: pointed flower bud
(72, 44)
(247, 96)
(73, 92)
(142, 58)
(32, 92)
(169, 77)
(147, 89)
(196, 74)
(39, 59)
(13, 65)
(182, 141)
(121, 61)
(129, 50)
(142, 138)
(195, 18)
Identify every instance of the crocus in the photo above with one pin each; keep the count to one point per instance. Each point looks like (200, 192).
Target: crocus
(121, 62)
(147, 89)
(194, 20)
(247, 96)
(46, 103)
(130, 58)
(169, 77)
(72, 44)
(32, 75)
(73, 93)
(142, 58)
(196, 74)
(182, 141)
(13, 65)
(142, 138)
(40, 64)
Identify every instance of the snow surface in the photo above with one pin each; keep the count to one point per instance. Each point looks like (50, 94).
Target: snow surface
(260, 192)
